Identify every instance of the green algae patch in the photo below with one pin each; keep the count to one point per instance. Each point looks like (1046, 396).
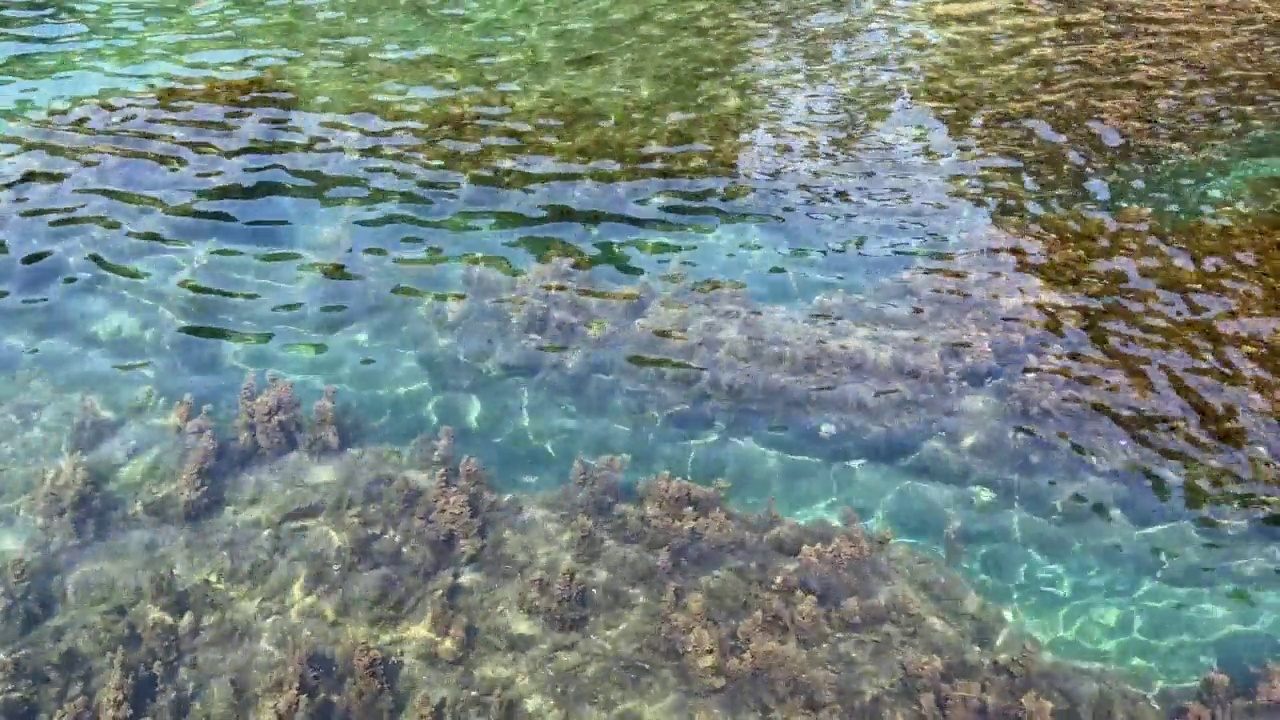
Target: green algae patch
(157, 238)
(35, 257)
(330, 271)
(622, 294)
(434, 295)
(493, 262)
(655, 88)
(118, 269)
(305, 349)
(545, 249)
(237, 337)
(279, 256)
(646, 361)
(194, 287)
(712, 285)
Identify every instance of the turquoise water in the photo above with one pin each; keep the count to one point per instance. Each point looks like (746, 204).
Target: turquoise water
(762, 242)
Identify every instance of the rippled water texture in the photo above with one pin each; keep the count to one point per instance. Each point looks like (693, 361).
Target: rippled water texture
(1003, 276)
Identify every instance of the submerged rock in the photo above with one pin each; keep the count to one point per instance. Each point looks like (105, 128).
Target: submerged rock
(375, 582)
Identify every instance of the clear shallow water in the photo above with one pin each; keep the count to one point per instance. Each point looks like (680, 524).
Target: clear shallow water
(834, 253)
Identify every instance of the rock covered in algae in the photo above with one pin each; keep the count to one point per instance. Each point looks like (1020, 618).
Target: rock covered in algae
(375, 583)
(66, 499)
(269, 421)
(1217, 697)
(849, 378)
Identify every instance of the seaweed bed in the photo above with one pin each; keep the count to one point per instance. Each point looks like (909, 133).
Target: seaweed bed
(962, 390)
(269, 571)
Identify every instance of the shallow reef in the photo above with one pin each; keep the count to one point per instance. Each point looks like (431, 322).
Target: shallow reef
(1123, 78)
(263, 568)
(509, 138)
(963, 389)
(1211, 404)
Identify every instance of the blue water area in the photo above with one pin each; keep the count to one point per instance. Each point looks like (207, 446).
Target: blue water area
(867, 254)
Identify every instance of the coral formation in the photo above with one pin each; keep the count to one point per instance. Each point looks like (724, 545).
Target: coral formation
(66, 500)
(270, 422)
(323, 435)
(376, 583)
(1217, 698)
(90, 428)
(196, 491)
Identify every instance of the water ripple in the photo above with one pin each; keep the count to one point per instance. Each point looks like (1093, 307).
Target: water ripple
(1010, 235)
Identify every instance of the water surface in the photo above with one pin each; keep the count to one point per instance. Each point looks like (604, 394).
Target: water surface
(1000, 275)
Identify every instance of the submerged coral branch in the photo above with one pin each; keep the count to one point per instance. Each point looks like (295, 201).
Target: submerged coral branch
(197, 494)
(322, 436)
(67, 500)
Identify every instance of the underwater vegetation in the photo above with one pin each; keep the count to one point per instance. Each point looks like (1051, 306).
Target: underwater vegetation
(965, 390)
(322, 575)
(512, 94)
(263, 568)
(1065, 88)
(1131, 147)
(1200, 296)
(858, 377)
(501, 138)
